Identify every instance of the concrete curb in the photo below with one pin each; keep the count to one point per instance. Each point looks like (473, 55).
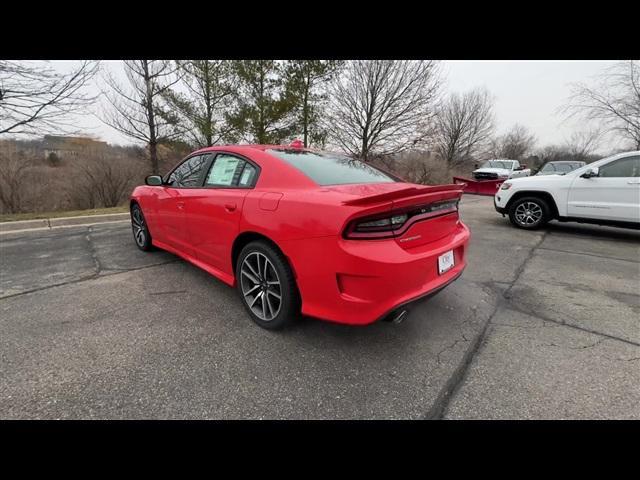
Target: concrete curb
(49, 223)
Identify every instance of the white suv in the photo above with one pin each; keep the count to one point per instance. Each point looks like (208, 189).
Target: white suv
(606, 192)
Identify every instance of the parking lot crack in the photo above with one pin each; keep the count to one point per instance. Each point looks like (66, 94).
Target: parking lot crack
(581, 347)
(544, 318)
(588, 254)
(523, 265)
(441, 404)
(449, 347)
(92, 276)
(93, 252)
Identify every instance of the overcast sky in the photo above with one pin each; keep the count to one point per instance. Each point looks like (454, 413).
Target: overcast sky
(525, 92)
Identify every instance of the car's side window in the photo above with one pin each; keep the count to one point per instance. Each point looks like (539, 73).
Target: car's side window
(248, 176)
(230, 171)
(625, 167)
(189, 173)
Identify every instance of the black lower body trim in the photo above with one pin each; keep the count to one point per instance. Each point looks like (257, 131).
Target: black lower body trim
(605, 223)
(419, 298)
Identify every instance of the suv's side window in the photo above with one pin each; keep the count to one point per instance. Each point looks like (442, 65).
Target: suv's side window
(625, 167)
(230, 171)
(189, 173)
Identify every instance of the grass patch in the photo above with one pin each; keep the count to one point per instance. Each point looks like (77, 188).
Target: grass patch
(13, 217)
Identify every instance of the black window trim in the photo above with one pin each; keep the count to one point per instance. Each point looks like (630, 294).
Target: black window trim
(204, 171)
(232, 187)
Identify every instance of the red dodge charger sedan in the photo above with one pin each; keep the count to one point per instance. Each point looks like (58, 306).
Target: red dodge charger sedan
(303, 231)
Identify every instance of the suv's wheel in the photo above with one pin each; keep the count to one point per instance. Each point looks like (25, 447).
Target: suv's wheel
(529, 213)
(266, 285)
(141, 233)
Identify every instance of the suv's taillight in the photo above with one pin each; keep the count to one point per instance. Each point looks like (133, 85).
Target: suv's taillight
(396, 222)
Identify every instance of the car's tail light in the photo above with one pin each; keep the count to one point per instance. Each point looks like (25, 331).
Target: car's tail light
(397, 222)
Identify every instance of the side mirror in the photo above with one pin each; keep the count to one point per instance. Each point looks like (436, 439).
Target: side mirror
(153, 180)
(591, 172)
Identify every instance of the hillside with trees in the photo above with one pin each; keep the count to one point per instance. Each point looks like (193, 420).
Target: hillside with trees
(399, 115)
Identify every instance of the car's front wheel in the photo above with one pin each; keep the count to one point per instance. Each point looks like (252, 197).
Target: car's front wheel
(141, 233)
(266, 285)
(529, 213)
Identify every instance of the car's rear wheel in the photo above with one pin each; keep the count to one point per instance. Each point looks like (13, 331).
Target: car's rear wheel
(266, 286)
(529, 213)
(140, 229)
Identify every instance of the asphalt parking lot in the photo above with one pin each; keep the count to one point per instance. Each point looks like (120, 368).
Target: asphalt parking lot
(542, 325)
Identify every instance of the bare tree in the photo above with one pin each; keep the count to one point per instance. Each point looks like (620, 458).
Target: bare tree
(415, 166)
(210, 87)
(614, 101)
(515, 144)
(138, 110)
(13, 173)
(464, 125)
(38, 99)
(105, 182)
(382, 106)
(582, 145)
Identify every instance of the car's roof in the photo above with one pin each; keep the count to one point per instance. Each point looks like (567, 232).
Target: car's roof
(249, 147)
(567, 161)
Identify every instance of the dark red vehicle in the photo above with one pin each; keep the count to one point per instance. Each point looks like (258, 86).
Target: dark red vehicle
(304, 231)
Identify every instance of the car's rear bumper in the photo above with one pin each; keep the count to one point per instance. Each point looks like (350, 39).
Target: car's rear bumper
(424, 296)
(359, 282)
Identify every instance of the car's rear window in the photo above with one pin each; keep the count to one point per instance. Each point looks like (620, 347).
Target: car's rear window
(332, 169)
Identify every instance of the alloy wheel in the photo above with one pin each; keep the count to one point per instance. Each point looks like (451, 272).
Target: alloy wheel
(261, 286)
(528, 213)
(139, 229)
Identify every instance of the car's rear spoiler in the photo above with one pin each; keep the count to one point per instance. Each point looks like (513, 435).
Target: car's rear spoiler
(405, 193)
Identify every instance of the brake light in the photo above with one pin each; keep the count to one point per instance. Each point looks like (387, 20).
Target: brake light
(382, 225)
(396, 222)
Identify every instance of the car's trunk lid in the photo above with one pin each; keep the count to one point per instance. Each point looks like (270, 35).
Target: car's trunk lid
(432, 209)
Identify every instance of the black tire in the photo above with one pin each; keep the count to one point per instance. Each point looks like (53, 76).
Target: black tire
(529, 213)
(141, 234)
(264, 313)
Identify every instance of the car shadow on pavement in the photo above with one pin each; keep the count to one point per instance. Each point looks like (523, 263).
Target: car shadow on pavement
(594, 231)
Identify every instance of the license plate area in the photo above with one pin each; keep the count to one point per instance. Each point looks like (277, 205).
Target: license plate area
(446, 262)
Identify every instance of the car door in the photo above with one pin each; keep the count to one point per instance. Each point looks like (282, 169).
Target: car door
(614, 194)
(514, 173)
(215, 210)
(173, 198)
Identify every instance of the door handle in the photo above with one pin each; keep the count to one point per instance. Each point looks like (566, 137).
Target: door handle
(230, 207)
(634, 182)
(180, 205)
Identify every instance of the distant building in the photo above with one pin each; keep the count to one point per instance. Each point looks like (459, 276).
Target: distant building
(70, 147)
(8, 148)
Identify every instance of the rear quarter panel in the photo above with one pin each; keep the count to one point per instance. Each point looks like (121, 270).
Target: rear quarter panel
(300, 214)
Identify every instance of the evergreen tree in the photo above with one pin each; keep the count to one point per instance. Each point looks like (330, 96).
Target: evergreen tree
(209, 91)
(263, 113)
(304, 82)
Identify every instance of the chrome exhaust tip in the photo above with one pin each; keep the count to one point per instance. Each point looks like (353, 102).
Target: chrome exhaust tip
(400, 317)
